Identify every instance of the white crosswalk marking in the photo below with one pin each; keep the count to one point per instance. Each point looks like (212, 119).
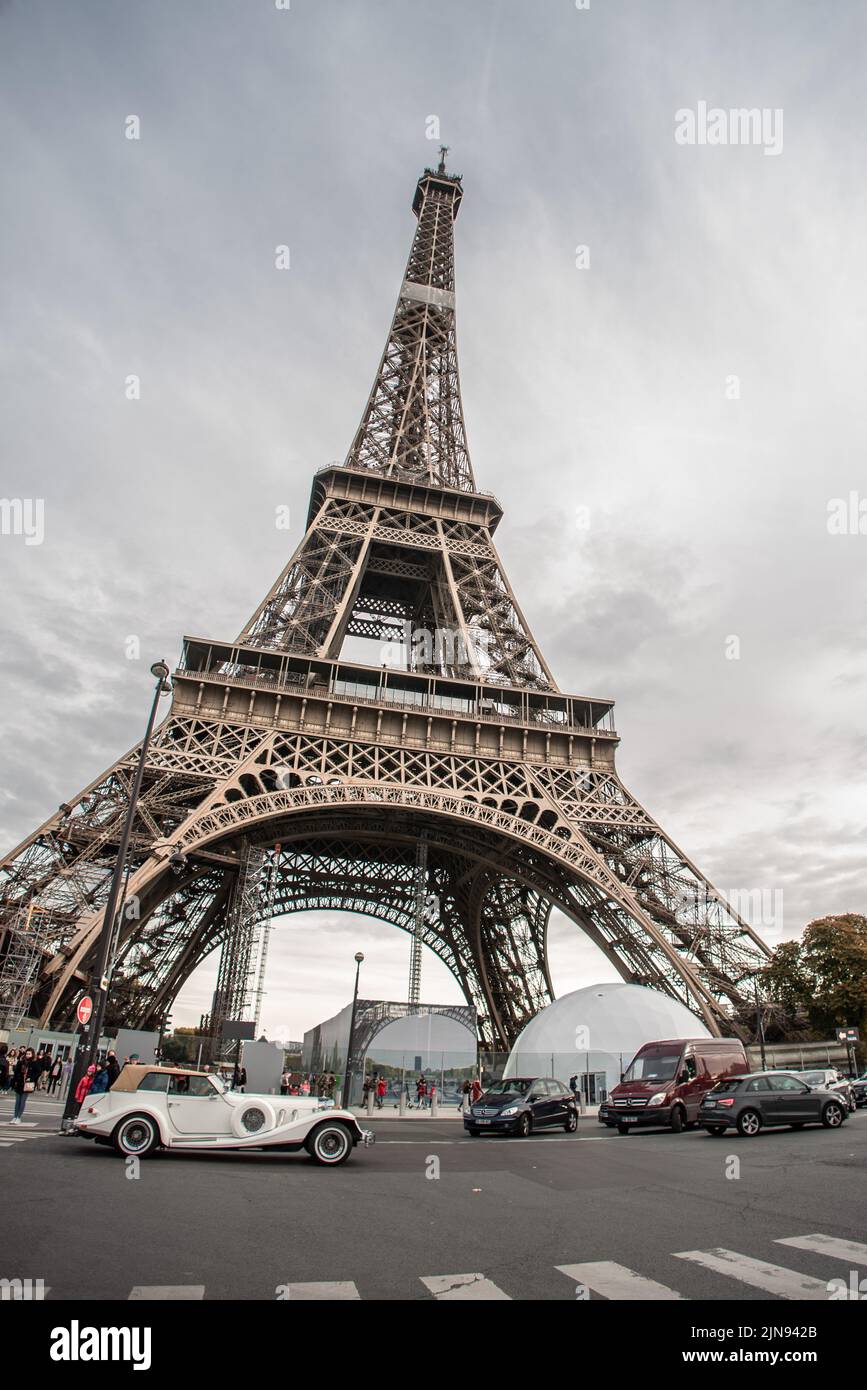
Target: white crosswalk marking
(8, 1137)
(334, 1290)
(612, 1281)
(773, 1279)
(164, 1292)
(616, 1281)
(838, 1249)
(462, 1286)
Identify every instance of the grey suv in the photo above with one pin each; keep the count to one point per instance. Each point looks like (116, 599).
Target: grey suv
(748, 1103)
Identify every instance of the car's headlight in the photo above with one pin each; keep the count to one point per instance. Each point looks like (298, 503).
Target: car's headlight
(510, 1110)
(658, 1099)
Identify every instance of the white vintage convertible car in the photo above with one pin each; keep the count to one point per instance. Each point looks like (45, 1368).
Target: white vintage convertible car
(151, 1107)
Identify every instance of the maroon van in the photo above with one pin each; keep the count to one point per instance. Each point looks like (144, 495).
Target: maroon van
(665, 1081)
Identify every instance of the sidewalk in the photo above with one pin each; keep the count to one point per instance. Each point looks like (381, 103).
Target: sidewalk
(391, 1112)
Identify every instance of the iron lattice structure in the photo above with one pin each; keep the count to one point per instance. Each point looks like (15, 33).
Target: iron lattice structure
(335, 770)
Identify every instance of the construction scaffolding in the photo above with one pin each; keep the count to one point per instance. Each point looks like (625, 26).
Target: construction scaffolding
(420, 904)
(25, 944)
(264, 935)
(232, 994)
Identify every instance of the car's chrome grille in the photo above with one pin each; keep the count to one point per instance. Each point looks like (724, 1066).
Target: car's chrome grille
(632, 1101)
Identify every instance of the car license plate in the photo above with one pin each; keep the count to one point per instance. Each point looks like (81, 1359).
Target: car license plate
(483, 1122)
(628, 1119)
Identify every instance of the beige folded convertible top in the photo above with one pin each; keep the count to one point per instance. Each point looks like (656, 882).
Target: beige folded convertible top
(131, 1075)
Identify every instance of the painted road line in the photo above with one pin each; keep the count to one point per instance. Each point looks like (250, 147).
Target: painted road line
(773, 1279)
(616, 1281)
(163, 1292)
(447, 1287)
(853, 1251)
(332, 1290)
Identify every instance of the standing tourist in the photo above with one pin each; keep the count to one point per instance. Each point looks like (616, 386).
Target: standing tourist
(100, 1082)
(83, 1088)
(54, 1075)
(24, 1081)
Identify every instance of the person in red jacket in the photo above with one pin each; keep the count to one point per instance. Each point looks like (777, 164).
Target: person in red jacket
(85, 1084)
(380, 1092)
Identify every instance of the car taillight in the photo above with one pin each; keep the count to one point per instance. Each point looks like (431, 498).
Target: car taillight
(730, 1101)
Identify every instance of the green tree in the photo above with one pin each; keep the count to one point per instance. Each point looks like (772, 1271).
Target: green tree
(822, 977)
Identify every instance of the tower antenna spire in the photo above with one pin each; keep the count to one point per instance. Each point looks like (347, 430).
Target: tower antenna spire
(444, 149)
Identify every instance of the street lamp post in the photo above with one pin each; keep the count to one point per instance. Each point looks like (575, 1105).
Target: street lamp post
(89, 1047)
(760, 1025)
(347, 1087)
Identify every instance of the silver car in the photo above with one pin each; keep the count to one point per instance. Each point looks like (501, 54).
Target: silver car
(829, 1079)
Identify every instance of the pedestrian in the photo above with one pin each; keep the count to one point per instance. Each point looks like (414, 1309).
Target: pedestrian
(380, 1092)
(366, 1089)
(100, 1081)
(573, 1085)
(67, 1072)
(477, 1089)
(284, 1084)
(466, 1092)
(431, 1094)
(421, 1092)
(113, 1066)
(84, 1085)
(55, 1074)
(24, 1081)
(14, 1053)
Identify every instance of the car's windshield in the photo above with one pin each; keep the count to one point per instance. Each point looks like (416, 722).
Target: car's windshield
(657, 1064)
(514, 1086)
(813, 1078)
(219, 1082)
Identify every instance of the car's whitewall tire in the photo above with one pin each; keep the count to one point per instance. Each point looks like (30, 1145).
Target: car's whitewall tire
(329, 1143)
(136, 1136)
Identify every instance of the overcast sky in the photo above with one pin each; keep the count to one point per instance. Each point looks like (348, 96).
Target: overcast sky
(606, 388)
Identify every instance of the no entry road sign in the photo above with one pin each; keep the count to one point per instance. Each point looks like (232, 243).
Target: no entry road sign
(85, 1009)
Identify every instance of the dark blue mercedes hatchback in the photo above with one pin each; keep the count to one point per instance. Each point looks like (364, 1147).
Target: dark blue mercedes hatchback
(521, 1104)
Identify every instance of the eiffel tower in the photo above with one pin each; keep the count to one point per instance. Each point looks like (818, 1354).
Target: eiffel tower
(283, 763)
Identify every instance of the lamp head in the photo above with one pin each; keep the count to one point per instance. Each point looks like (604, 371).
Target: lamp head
(359, 956)
(161, 671)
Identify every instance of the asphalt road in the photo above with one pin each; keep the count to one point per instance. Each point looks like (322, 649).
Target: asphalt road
(427, 1203)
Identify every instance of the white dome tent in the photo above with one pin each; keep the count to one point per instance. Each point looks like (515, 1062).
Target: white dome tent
(595, 1032)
